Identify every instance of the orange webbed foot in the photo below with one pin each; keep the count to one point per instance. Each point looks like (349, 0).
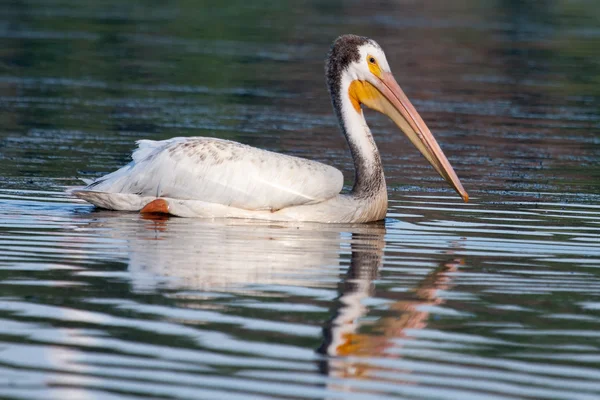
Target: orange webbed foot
(158, 206)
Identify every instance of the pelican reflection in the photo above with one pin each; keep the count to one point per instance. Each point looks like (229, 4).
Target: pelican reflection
(344, 346)
(239, 255)
(224, 255)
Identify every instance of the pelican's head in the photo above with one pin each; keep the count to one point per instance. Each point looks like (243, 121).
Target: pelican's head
(357, 71)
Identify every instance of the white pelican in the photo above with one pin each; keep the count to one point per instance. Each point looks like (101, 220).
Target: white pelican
(215, 178)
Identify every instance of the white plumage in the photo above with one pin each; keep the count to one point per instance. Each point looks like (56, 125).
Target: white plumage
(221, 172)
(214, 178)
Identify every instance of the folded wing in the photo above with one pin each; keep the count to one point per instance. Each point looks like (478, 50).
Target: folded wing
(223, 172)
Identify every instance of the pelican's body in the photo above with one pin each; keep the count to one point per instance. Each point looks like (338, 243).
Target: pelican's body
(214, 178)
(208, 177)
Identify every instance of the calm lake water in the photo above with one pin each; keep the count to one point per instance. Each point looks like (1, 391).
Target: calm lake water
(495, 299)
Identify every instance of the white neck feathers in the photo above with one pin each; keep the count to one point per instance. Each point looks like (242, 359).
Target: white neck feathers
(369, 178)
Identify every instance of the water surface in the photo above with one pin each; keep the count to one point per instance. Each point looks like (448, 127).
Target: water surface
(495, 299)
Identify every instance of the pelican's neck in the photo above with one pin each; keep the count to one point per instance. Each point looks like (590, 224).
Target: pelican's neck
(369, 179)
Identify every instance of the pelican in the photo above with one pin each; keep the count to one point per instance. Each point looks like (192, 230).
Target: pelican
(215, 178)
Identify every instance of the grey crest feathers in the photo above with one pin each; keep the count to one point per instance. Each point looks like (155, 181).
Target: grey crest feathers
(343, 52)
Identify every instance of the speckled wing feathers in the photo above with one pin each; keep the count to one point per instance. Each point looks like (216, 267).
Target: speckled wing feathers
(222, 172)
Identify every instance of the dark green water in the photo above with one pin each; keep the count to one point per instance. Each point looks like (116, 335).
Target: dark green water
(495, 299)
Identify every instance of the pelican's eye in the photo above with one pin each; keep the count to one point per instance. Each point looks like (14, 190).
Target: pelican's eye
(373, 66)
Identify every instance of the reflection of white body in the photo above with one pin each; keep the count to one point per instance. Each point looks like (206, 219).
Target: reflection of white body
(207, 177)
(285, 259)
(217, 257)
(227, 254)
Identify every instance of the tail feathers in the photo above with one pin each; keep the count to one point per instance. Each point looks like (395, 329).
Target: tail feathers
(145, 148)
(113, 201)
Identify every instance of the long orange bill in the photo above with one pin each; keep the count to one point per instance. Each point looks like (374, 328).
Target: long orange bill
(396, 105)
